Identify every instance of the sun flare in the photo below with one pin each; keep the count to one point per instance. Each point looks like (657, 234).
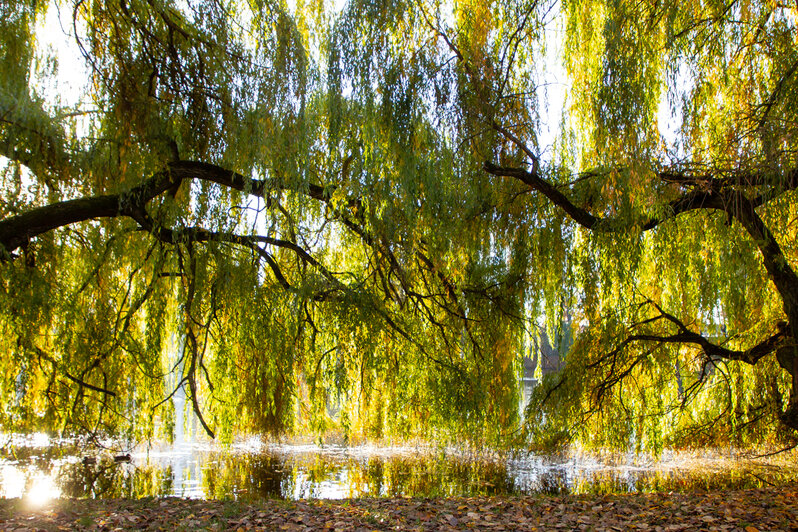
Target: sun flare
(41, 489)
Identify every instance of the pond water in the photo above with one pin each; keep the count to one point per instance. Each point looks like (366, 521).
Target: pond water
(39, 468)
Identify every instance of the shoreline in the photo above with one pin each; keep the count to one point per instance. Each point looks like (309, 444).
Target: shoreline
(749, 510)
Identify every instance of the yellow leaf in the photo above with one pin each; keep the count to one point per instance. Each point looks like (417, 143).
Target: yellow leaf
(751, 529)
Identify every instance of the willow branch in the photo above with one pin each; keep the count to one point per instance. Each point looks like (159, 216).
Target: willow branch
(752, 355)
(76, 380)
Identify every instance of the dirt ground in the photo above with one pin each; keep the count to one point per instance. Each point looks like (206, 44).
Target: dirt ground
(740, 510)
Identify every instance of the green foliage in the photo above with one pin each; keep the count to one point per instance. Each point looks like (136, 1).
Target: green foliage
(303, 235)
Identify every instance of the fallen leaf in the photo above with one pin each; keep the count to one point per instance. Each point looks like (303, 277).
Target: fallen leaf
(452, 520)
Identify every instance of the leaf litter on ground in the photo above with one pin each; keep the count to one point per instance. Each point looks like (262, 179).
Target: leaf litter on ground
(751, 510)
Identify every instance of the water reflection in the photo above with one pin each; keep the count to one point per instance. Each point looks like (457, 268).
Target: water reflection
(293, 472)
(107, 479)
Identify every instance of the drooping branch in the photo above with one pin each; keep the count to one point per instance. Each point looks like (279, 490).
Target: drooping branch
(577, 214)
(617, 368)
(15, 231)
(191, 342)
(89, 386)
(774, 95)
(704, 192)
(198, 234)
(348, 217)
(81, 383)
(751, 355)
(683, 335)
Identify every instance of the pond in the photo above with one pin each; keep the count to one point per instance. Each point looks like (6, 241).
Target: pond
(39, 468)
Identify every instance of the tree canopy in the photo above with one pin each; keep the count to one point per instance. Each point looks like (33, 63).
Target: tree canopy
(319, 215)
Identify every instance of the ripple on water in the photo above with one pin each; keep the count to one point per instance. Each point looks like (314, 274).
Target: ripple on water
(40, 468)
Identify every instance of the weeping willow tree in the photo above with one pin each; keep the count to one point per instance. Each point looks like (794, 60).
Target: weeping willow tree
(285, 212)
(681, 248)
(250, 206)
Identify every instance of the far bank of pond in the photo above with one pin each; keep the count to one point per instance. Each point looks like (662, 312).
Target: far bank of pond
(38, 468)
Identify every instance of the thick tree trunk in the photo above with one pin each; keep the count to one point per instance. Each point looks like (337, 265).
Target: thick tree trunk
(786, 282)
(788, 359)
